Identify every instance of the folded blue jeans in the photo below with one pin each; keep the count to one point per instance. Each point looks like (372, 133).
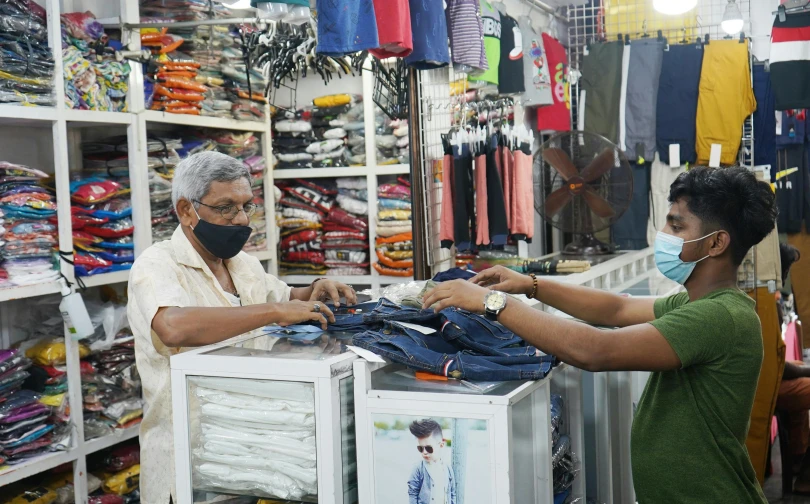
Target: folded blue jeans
(374, 314)
(476, 333)
(434, 354)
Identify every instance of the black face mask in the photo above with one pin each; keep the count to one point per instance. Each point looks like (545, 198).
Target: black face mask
(222, 241)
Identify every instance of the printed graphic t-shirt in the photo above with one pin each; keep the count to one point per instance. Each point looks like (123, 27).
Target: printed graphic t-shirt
(535, 67)
(510, 69)
(556, 117)
(393, 28)
(491, 19)
(346, 27)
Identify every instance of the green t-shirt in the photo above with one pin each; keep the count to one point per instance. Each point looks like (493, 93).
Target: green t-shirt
(688, 438)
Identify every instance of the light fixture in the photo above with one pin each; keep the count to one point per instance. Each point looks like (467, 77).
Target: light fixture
(732, 22)
(237, 4)
(674, 7)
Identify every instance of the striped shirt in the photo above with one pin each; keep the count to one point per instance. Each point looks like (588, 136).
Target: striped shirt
(466, 34)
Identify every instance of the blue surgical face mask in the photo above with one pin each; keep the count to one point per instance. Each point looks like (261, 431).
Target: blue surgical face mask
(668, 250)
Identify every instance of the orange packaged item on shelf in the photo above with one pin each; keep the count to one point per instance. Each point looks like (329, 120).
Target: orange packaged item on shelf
(386, 271)
(182, 74)
(178, 94)
(183, 110)
(171, 66)
(152, 36)
(255, 97)
(396, 238)
(176, 83)
(165, 43)
(391, 263)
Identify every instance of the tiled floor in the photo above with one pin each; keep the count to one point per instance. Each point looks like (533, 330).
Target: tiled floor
(773, 485)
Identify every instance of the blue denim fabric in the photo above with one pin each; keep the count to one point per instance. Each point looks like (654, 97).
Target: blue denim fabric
(420, 486)
(372, 315)
(453, 274)
(434, 355)
(476, 333)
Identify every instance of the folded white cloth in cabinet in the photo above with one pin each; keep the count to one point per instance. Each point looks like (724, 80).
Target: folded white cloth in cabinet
(306, 477)
(296, 156)
(339, 153)
(253, 402)
(237, 478)
(325, 146)
(259, 416)
(261, 388)
(293, 126)
(334, 134)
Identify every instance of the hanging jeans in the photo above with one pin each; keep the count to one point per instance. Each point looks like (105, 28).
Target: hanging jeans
(630, 231)
(496, 208)
(447, 226)
(428, 353)
(373, 314)
(463, 200)
(477, 334)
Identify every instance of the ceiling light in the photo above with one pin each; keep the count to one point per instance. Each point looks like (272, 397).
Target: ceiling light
(732, 19)
(674, 7)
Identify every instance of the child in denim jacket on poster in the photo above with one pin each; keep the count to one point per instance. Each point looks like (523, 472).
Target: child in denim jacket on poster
(432, 480)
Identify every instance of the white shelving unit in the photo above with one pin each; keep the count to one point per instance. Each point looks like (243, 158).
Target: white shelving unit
(49, 138)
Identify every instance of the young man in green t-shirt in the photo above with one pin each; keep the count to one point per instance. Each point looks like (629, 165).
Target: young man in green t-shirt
(704, 346)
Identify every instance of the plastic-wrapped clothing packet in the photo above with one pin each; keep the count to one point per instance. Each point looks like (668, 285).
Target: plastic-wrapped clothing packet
(13, 428)
(394, 215)
(17, 400)
(38, 495)
(259, 388)
(27, 437)
(394, 204)
(52, 352)
(95, 428)
(122, 458)
(123, 482)
(235, 479)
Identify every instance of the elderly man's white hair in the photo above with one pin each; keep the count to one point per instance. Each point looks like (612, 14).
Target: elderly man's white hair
(195, 174)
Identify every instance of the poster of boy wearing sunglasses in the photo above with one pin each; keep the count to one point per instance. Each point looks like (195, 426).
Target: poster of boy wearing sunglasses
(432, 480)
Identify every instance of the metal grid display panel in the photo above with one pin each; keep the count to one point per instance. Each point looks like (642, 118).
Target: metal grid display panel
(439, 110)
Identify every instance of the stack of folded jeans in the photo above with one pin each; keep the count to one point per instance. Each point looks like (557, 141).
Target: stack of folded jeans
(31, 423)
(93, 80)
(102, 209)
(394, 225)
(26, 65)
(239, 422)
(302, 211)
(111, 388)
(462, 345)
(28, 235)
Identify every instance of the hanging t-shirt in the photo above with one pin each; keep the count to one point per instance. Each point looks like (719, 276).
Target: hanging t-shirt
(429, 35)
(790, 66)
(726, 99)
(393, 29)
(466, 35)
(556, 117)
(510, 69)
(491, 19)
(346, 27)
(535, 67)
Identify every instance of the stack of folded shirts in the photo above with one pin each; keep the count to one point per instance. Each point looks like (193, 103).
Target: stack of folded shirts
(394, 230)
(33, 418)
(292, 137)
(111, 388)
(102, 208)
(353, 122)
(208, 56)
(345, 239)
(28, 227)
(164, 155)
(257, 240)
(27, 66)
(392, 140)
(302, 210)
(93, 80)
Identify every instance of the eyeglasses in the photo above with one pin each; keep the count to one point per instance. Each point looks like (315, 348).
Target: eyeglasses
(427, 448)
(230, 212)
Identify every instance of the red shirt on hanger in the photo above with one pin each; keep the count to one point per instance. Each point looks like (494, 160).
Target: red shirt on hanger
(556, 117)
(393, 29)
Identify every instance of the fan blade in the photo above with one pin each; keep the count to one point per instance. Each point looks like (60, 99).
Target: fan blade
(599, 166)
(598, 204)
(557, 200)
(559, 159)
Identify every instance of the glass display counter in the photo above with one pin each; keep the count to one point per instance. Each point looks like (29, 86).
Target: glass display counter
(269, 417)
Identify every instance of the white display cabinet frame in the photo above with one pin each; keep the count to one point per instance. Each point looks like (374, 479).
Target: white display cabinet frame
(325, 375)
(494, 408)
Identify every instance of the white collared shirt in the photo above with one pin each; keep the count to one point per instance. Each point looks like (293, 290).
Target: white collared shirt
(172, 274)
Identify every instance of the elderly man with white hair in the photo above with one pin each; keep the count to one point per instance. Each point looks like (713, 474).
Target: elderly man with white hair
(198, 289)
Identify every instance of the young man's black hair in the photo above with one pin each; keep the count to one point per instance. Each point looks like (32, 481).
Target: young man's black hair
(704, 346)
(731, 199)
(425, 428)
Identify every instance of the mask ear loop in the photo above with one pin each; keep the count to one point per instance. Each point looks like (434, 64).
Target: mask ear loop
(703, 238)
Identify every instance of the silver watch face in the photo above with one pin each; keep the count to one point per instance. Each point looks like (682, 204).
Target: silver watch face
(495, 301)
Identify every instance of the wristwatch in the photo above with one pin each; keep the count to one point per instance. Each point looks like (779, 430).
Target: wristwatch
(494, 303)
